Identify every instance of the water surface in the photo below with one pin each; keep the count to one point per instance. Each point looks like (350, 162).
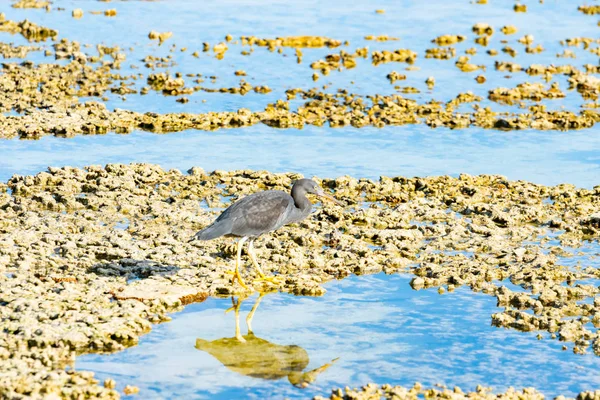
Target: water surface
(381, 330)
(540, 157)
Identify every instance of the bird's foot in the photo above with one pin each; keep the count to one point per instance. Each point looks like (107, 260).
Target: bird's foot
(237, 276)
(271, 279)
(240, 338)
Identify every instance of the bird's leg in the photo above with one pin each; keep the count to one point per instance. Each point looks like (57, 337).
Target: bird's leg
(235, 304)
(262, 275)
(236, 309)
(251, 314)
(236, 273)
(253, 258)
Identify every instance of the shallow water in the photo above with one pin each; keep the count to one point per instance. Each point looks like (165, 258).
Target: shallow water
(380, 329)
(556, 158)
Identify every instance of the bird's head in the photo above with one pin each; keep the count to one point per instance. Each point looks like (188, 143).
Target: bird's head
(311, 187)
(303, 379)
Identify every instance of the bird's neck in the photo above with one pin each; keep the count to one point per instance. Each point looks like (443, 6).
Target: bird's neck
(301, 201)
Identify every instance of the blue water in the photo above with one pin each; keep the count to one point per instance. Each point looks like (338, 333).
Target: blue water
(542, 157)
(380, 329)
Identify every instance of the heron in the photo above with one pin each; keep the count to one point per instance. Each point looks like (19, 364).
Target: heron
(259, 213)
(252, 356)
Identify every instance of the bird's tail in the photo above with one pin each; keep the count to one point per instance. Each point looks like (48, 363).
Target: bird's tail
(201, 344)
(212, 232)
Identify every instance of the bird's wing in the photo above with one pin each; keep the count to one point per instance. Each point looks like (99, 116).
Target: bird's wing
(259, 213)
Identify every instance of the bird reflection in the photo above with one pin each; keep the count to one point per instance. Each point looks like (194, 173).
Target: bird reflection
(252, 356)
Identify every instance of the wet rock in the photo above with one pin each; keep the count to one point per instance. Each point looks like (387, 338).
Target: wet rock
(160, 36)
(31, 4)
(589, 10)
(395, 76)
(520, 8)
(130, 390)
(170, 295)
(372, 391)
(509, 29)
(446, 40)
(29, 30)
(381, 38)
(291, 41)
(525, 91)
(441, 53)
(400, 55)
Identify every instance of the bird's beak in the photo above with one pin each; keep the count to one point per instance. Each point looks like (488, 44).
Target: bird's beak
(324, 195)
(303, 380)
